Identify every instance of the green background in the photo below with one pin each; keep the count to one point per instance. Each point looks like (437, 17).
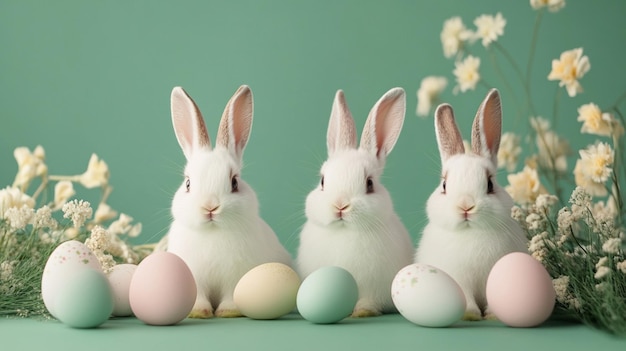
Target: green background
(80, 77)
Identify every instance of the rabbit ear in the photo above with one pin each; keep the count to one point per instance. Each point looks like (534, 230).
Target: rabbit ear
(384, 123)
(487, 127)
(449, 138)
(188, 124)
(236, 123)
(341, 132)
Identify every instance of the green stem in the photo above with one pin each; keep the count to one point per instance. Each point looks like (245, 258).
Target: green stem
(618, 101)
(519, 73)
(555, 107)
(533, 47)
(506, 82)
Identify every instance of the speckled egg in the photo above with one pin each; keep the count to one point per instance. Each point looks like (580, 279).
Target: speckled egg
(427, 296)
(267, 291)
(63, 262)
(520, 291)
(327, 295)
(85, 300)
(119, 278)
(162, 290)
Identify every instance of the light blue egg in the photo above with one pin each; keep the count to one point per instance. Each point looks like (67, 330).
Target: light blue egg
(85, 299)
(327, 295)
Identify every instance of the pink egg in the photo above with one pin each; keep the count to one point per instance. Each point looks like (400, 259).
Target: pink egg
(520, 291)
(162, 290)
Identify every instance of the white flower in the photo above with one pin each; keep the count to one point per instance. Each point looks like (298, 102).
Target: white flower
(571, 66)
(489, 28)
(466, 73)
(428, 93)
(524, 187)
(593, 168)
(43, 218)
(123, 226)
(78, 212)
(540, 124)
(601, 272)
(612, 245)
(14, 197)
(99, 242)
(621, 266)
(561, 285)
(545, 201)
(453, 35)
(30, 165)
(597, 122)
(97, 173)
(553, 5)
(509, 151)
(63, 190)
(19, 217)
(535, 222)
(104, 213)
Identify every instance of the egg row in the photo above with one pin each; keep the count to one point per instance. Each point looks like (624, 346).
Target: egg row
(161, 291)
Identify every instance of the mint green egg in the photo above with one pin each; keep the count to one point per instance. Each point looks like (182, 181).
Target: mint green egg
(327, 295)
(85, 299)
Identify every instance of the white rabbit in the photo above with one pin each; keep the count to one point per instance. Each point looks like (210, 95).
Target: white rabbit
(217, 230)
(470, 225)
(351, 222)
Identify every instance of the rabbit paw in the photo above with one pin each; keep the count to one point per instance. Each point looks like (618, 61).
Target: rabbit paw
(228, 309)
(202, 313)
(472, 316)
(365, 308)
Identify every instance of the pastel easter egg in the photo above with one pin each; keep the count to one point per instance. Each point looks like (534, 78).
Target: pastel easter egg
(66, 258)
(520, 291)
(162, 290)
(119, 278)
(85, 300)
(267, 291)
(327, 295)
(427, 296)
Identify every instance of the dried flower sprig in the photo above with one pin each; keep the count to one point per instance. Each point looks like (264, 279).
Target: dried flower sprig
(28, 234)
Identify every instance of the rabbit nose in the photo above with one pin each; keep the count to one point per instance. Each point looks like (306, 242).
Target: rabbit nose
(342, 208)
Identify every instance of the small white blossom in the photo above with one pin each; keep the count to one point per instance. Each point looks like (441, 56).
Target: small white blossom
(545, 201)
(535, 222)
(540, 124)
(597, 122)
(489, 28)
(601, 272)
(97, 173)
(121, 225)
(466, 73)
(104, 213)
(518, 214)
(453, 35)
(553, 151)
(14, 197)
(593, 168)
(570, 67)
(612, 246)
(30, 165)
(6, 270)
(63, 190)
(509, 151)
(43, 218)
(19, 218)
(524, 187)
(428, 93)
(78, 212)
(552, 5)
(99, 242)
(621, 266)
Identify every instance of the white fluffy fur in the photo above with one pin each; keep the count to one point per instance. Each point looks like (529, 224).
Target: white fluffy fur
(368, 239)
(221, 250)
(468, 248)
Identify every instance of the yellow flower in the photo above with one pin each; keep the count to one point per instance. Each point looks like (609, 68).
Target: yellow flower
(453, 35)
(571, 66)
(593, 168)
(489, 28)
(509, 151)
(97, 173)
(63, 190)
(30, 165)
(428, 93)
(553, 5)
(524, 187)
(466, 73)
(597, 122)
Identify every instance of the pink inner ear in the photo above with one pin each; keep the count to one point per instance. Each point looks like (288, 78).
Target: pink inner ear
(492, 124)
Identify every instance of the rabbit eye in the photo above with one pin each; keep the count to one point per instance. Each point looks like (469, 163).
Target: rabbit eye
(234, 184)
(444, 187)
(188, 184)
(322, 182)
(489, 186)
(370, 185)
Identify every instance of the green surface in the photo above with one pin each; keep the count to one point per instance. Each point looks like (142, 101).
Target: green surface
(94, 76)
(389, 332)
